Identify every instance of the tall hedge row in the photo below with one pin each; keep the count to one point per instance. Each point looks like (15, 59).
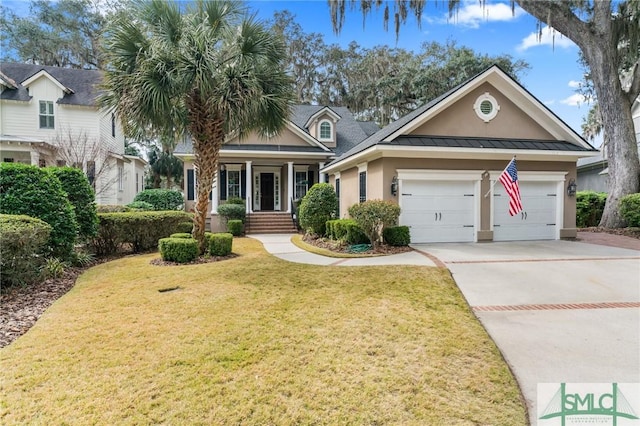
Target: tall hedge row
(141, 230)
(589, 208)
(161, 199)
(81, 196)
(36, 192)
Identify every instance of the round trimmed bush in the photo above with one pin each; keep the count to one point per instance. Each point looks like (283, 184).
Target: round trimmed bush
(220, 244)
(81, 196)
(397, 235)
(235, 226)
(232, 211)
(180, 250)
(317, 207)
(373, 216)
(630, 209)
(236, 200)
(23, 240)
(161, 199)
(36, 192)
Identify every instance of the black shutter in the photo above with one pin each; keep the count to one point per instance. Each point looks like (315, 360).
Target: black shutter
(338, 194)
(190, 188)
(223, 185)
(363, 187)
(310, 178)
(243, 185)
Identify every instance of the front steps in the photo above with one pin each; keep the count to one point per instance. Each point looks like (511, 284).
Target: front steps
(269, 223)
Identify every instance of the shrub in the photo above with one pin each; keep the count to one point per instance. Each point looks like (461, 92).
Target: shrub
(589, 208)
(181, 250)
(232, 211)
(161, 199)
(29, 190)
(54, 267)
(112, 208)
(82, 258)
(630, 209)
(140, 206)
(220, 244)
(185, 227)
(81, 196)
(235, 227)
(180, 235)
(373, 216)
(317, 207)
(354, 234)
(236, 200)
(23, 240)
(397, 235)
(140, 229)
(337, 228)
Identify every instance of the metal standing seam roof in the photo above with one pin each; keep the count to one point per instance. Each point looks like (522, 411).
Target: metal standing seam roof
(83, 83)
(486, 143)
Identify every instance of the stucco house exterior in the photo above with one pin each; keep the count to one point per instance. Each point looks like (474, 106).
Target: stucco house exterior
(49, 117)
(593, 172)
(440, 164)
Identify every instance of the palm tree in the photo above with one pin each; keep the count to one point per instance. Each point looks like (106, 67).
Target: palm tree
(209, 70)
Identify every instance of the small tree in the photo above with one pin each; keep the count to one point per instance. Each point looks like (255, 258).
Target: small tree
(373, 216)
(317, 207)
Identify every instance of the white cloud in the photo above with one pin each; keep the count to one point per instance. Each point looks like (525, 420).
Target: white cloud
(549, 102)
(472, 14)
(548, 38)
(575, 100)
(574, 84)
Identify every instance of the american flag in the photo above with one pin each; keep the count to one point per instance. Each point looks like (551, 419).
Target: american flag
(509, 179)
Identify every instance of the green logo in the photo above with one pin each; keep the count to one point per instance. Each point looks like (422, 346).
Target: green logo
(588, 403)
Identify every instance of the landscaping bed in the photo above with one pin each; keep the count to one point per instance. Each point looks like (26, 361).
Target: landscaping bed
(345, 248)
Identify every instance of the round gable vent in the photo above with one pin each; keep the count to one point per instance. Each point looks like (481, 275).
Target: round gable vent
(486, 107)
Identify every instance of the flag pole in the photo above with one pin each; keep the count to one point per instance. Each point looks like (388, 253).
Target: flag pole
(495, 181)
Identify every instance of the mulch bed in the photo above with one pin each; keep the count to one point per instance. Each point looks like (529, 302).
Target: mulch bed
(341, 247)
(627, 232)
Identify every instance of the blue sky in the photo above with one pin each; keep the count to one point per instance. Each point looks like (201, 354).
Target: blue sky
(554, 74)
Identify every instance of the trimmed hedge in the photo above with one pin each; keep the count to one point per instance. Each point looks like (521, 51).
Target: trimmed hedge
(236, 200)
(180, 235)
(140, 229)
(355, 234)
(630, 209)
(319, 205)
(161, 199)
(185, 227)
(589, 208)
(140, 206)
(81, 196)
(373, 216)
(232, 211)
(180, 250)
(36, 192)
(220, 244)
(397, 235)
(23, 240)
(235, 227)
(337, 229)
(112, 208)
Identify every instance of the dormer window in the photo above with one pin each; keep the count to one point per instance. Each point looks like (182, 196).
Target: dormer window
(326, 131)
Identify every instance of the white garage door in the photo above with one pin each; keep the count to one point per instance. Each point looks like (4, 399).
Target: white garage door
(537, 221)
(438, 211)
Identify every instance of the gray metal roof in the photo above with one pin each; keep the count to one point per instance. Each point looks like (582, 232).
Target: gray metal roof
(274, 148)
(83, 83)
(487, 143)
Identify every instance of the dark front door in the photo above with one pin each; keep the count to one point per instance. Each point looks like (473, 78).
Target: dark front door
(266, 191)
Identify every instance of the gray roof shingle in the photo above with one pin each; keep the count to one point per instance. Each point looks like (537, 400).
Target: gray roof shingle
(83, 83)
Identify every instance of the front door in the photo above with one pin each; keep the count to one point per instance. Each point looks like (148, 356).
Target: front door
(266, 191)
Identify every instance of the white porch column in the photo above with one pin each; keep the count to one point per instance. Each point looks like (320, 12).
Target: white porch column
(321, 176)
(290, 186)
(35, 158)
(249, 202)
(214, 192)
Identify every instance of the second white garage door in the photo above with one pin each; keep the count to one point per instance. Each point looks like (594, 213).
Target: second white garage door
(438, 211)
(538, 218)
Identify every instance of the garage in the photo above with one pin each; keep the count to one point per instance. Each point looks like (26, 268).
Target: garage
(439, 210)
(538, 219)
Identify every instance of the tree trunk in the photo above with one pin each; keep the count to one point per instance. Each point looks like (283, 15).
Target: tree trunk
(207, 132)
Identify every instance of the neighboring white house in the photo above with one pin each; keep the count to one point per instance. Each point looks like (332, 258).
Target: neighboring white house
(49, 116)
(593, 173)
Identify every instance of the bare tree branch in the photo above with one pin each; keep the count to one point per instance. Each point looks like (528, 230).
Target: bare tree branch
(634, 88)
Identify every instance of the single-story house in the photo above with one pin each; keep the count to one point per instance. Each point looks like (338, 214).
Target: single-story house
(49, 117)
(439, 163)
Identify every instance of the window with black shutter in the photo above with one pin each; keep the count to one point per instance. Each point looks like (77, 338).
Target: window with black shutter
(190, 186)
(363, 187)
(338, 194)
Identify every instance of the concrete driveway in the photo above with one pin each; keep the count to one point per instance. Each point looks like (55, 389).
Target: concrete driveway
(560, 311)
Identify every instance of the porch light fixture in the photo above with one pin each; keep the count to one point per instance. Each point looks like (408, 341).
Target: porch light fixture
(394, 186)
(572, 188)
(223, 167)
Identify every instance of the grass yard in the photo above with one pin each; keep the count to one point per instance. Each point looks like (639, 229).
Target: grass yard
(257, 340)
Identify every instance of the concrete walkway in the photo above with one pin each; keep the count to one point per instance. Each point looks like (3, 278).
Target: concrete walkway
(559, 311)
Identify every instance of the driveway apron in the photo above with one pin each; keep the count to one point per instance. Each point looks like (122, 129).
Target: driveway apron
(559, 311)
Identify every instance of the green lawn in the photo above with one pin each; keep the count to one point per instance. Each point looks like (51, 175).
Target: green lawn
(257, 340)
